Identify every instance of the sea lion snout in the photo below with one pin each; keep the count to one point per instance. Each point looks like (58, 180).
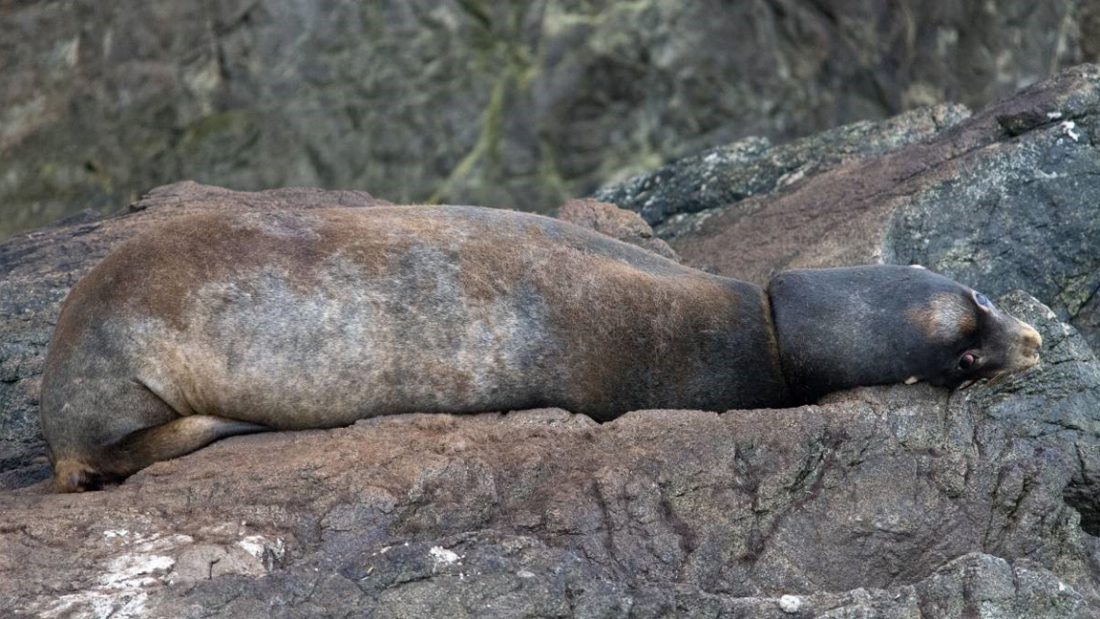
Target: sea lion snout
(1026, 352)
(1008, 344)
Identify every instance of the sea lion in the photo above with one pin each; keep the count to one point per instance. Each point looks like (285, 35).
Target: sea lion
(219, 324)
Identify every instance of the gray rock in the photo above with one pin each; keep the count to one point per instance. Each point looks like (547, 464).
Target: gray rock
(1007, 198)
(723, 176)
(501, 104)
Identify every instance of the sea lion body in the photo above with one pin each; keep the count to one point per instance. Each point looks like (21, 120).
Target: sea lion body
(228, 323)
(317, 318)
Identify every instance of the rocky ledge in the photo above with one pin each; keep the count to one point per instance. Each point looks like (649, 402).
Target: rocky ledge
(904, 501)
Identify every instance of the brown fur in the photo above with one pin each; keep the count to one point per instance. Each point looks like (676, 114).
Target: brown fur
(224, 323)
(944, 316)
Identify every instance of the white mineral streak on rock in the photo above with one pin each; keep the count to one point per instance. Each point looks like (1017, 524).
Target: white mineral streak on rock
(443, 556)
(120, 591)
(790, 603)
(255, 545)
(1069, 127)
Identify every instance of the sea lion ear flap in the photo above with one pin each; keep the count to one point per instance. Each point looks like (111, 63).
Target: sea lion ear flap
(982, 301)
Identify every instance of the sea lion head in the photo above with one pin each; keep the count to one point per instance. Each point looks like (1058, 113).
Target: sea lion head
(845, 327)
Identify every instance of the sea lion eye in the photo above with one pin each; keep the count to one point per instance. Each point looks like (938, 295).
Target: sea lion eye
(983, 300)
(967, 361)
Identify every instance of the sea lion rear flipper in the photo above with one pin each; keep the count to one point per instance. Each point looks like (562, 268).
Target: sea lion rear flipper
(141, 448)
(176, 438)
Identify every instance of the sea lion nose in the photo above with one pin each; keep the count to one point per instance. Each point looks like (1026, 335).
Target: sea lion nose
(1030, 343)
(1031, 338)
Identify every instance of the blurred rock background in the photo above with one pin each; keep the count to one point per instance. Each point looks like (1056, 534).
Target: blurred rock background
(516, 104)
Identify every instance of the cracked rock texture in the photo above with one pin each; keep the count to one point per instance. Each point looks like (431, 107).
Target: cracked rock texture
(1007, 198)
(513, 104)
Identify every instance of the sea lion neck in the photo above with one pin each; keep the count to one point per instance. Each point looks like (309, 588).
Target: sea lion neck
(840, 328)
(773, 387)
